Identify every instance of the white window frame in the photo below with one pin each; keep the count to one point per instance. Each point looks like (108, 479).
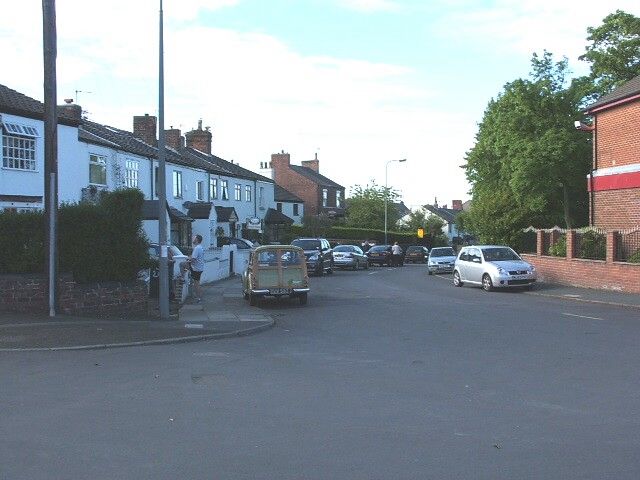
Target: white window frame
(224, 189)
(237, 192)
(325, 197)
(261, 197)
(131, 172)
(213, 189)
(97, 160)
(200, 190)
(19, 148)
(338, 199)
(177, 184)
(247, 193)
(296, 210)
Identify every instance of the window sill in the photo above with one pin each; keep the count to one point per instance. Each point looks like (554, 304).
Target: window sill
(19, 170)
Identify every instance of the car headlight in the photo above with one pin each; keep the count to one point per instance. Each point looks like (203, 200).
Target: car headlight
(314, 257)
(532, 269)
(502, 271)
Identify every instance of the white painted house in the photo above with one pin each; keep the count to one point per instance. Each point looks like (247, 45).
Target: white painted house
(205, 194)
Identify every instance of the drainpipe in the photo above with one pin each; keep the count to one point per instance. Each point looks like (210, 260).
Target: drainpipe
(594, 167)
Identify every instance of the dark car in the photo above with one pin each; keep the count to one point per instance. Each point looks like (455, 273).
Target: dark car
(381, 255)
(318, 254)
(416, 254)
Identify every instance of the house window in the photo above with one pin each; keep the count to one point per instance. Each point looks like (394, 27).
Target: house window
(237, 192)
(279, 207)
(19, 147)
(295, 209)
(224, 186)
(213, 188)
(247, 193)
(97, 169)
(325, 196)
(261, 197)
(338, 199)
(200, 190)
(131, 168)
(177, 184)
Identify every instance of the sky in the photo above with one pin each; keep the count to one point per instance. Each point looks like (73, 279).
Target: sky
(357, 82)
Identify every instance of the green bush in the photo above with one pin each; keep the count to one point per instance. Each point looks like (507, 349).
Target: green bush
(634, 258)
(559, 249)
(593, 245)
(96, 242)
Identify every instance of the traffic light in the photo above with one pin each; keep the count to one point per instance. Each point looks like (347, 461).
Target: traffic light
(420, 232)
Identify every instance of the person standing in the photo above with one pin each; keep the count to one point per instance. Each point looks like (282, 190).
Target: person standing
(396, 254)
(196, 264)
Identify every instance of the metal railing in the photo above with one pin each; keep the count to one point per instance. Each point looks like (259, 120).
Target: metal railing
(628, 246)
(590, 244)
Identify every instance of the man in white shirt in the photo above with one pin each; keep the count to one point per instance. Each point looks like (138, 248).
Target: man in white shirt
(196, 263)
(396, 254)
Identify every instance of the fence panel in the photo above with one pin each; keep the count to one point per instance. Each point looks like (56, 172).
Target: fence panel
(591, 245)
(628, 246)
(546, 242)
(528, 241)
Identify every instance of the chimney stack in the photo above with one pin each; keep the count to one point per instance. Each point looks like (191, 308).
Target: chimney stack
(456, 204)
(144, 128)
(70, 109)
(312, 164)
(199, 139)
(173, 138)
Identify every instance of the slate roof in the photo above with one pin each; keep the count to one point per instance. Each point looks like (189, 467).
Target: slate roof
(17, 103)
(402, 209)
(223, 214)
(629, 89)
(198, 210)
(150, 210)
(314, 176)
(447, 214)
(282, 195)
(274, 217)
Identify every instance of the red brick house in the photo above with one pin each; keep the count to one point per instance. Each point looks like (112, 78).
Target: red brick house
(614, 184)
(319, 193)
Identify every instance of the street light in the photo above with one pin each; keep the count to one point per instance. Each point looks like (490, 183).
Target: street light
(386, 170)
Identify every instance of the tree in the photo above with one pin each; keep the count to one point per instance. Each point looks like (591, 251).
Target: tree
(614, 52)
(317, 225)
(529, 164)
(365, 206)
(415, 220)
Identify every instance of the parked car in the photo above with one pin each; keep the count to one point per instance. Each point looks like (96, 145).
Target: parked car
(241, 243)
(174, 254)
(416, 254)
(492, 266)
(276, 271)
(350, 256)
(318, 253)
(381, 255)
(441, 259)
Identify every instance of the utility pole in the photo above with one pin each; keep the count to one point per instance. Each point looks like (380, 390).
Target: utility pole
(163, 290)
(386, 194)
(50, 146)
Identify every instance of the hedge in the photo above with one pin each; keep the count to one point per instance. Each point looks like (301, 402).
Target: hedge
(96, 242)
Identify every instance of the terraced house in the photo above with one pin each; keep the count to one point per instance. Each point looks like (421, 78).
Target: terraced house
(205, 193)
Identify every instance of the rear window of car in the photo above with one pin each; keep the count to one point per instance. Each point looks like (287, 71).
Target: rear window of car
(443, 252)
(307, 244)
(414, 249)
(381, 248)
(344, 248)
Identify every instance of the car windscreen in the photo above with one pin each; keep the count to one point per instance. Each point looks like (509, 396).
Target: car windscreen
(443, 252)
(381, 248)
(499, 254)
(344, 248)
(414, 249)
(307, 244)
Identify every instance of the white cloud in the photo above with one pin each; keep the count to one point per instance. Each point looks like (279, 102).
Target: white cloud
(369, 5)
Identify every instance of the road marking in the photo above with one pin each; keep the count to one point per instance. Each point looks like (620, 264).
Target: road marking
(582, 316)
(193, 325)
(373, 273)
(571, 295)
(440, 276)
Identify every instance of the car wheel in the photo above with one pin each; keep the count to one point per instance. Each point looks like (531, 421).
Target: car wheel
(303, 298)
(487, 284)
(330, 271)
(456, 279)
(356, 266)
(366, 265)
(245, 295)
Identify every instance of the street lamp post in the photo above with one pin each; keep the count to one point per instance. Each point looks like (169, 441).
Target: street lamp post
(386, 170)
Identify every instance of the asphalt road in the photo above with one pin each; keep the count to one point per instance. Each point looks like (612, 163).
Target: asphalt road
(385, 374)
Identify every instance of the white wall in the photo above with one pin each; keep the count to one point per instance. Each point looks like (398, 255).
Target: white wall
(287, 209)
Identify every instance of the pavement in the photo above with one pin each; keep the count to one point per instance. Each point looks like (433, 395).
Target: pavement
(221, 314)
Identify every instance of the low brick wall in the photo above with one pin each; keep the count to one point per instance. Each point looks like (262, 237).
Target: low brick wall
(577, 272)
(27, 293)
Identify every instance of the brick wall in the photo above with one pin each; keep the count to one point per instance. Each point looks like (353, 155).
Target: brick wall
(617, 208)
(601, 274)
(28, 294)
(297, 184)
(618, 135)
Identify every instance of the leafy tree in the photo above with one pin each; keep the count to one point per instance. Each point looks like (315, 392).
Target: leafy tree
(365, 206)
(317, 225)
(415, 220)
(614, 51)
(529, 164)
(433, 225)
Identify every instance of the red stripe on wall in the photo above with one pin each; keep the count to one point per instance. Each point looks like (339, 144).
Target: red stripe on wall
(615, 182)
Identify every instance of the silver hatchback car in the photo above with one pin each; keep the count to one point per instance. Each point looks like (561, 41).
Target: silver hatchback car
(492, 266)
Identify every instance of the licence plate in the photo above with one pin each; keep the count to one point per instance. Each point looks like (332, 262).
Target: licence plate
(279, 291)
